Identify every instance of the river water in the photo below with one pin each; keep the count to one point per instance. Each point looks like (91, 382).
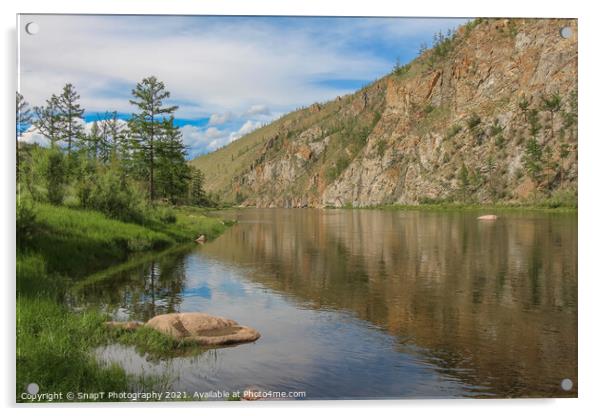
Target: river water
(366, 304)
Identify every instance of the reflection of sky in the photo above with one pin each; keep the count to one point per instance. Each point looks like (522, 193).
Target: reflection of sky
(325, 353)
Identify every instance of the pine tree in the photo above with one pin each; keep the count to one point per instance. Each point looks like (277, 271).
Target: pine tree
(48, 120)
(552, 104)
(533, 159)
(24, 119)
(173, 172)
(93, 140)
(117, 134)
(70, 115)
(197, 193)
(146, 126)
(563, 154)
(464, 181)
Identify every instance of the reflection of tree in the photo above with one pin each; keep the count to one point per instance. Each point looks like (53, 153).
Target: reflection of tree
(491, 304)
(149, 287)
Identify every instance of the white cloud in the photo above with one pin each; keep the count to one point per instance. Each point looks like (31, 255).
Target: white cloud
(258, 109)
(200, 141)
(32, 135)
(211, 65)
(240, 72)
(216, 119)
(248, 127)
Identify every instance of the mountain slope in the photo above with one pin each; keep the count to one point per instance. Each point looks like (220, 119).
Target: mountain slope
(473, 119)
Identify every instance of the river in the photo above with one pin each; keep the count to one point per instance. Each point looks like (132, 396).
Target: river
(366, 304)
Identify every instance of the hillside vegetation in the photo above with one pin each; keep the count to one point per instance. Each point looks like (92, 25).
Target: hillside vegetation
(488, 115)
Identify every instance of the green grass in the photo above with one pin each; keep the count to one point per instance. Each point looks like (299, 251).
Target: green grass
(154, 344)
(62, 245)
(76, 243)
(53, 350)
(453, 206)
(562, 200)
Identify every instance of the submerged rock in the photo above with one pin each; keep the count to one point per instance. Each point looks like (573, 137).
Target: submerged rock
(489, 217)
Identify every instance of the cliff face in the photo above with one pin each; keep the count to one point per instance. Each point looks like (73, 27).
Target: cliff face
(487, 115)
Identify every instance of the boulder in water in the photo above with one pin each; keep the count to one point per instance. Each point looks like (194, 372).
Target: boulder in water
(202, 328)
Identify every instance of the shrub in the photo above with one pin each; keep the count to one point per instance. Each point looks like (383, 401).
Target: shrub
(453, 130)
(473, 121)
(56, 176)
(115, 197)
(26, 222)
(166, 215)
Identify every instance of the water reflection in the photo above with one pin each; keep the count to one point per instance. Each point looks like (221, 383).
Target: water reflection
(139, 289)
(412, 303)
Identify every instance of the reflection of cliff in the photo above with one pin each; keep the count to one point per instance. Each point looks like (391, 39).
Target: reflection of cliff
(143, 287)
(497, 300)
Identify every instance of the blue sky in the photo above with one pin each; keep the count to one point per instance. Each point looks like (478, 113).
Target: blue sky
(229, 75)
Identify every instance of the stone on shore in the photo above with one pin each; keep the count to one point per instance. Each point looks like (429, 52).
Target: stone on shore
(202, 328)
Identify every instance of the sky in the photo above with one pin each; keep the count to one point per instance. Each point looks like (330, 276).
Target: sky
(228, 75)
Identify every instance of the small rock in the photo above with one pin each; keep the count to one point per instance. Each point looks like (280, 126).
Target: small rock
(489, 217)
(201, 239)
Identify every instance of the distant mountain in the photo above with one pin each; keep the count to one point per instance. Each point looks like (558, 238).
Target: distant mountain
(488, 114)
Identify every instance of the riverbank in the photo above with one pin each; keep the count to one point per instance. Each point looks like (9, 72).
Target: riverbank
(56, 248)
(553, 204)
(471, 207)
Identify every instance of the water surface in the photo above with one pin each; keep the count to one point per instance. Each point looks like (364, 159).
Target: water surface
(367, 304)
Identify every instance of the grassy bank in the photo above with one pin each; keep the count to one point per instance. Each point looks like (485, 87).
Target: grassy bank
(57, 247)
(564, 201)
(470, 207)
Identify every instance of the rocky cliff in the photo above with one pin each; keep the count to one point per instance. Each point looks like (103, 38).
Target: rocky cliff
(488, 114)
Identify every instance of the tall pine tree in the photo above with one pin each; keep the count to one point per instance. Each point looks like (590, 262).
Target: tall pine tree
(71, 115)
(147, 125)
(48, 120)
(173, 172)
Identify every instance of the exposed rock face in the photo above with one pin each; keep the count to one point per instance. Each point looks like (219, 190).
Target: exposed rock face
(202, 328)
(452, 125)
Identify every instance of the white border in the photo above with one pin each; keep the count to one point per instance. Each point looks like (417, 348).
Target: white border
(590, 155)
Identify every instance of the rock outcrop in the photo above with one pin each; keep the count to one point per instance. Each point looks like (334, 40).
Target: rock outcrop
(472, 120)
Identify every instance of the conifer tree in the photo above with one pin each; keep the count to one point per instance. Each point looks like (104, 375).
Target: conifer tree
(552, 104)
(197, 193)
(48, 120)
(147, 124)
(71, 113)
(173, 172)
